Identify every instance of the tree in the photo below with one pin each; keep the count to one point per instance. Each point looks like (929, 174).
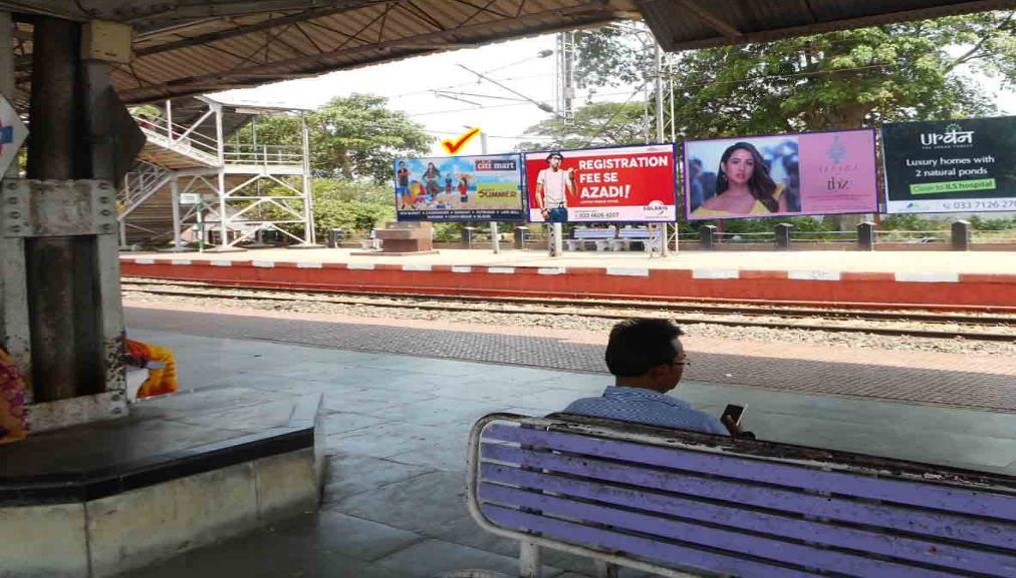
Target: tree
(355, 137)
(849, 79)
(600, 124)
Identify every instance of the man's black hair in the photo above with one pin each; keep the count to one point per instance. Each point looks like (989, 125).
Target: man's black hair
(555, 154)
(638, 345)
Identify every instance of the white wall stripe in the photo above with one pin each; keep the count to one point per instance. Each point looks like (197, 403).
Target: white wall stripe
(627, 272)
(551, 271)
(461, 269)
(715, 274)
(264, 264)
(416, 267)
(181, 261)
(222, 263)
(928, 277)
(363, 266)
(814, 275)
(501, 270)
(309, 265)
(144, 261)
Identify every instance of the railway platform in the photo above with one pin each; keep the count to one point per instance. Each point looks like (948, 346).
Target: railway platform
(401, 396)
(949, 280)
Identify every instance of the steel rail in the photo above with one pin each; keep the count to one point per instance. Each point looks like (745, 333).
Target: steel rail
(589, 309)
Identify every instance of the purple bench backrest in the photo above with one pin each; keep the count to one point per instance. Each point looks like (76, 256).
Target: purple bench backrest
(707, 504)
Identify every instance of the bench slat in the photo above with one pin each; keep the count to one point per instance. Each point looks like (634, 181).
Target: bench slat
(932, 524)
(934, 496)
(607, 540)
(736, 516)
(693, 535)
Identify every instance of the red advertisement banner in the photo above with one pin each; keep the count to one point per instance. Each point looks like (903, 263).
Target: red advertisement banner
(622, 184)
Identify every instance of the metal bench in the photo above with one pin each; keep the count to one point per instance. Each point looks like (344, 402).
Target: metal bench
(628, 235)
(678, 503)
(600, 238)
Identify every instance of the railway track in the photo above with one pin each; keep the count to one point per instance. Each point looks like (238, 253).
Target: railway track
(975, 327)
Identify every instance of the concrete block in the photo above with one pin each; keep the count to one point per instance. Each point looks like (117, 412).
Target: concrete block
(287, 484)
(142, 526)
(43, 541)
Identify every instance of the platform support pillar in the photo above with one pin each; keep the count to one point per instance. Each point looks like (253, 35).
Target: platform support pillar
(14, 317)
(69, 262)
(557, 240)
(866, 236)
(961, 236)
(174, 193)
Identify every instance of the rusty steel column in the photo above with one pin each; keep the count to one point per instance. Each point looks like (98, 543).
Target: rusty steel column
(63, 297)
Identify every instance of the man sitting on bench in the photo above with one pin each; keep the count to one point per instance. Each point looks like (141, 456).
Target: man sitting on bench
(647, 359)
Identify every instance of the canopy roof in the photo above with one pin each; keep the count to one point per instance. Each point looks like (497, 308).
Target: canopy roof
(186, 47)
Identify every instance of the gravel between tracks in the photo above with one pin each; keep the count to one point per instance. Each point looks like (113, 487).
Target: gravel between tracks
(576, 322)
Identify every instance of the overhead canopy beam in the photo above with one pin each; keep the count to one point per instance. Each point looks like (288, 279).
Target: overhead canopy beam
(880, 19)
(201, 39)
(717, 23)
(324, 62)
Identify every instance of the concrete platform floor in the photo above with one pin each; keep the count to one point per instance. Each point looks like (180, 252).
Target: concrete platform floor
(989, 262)
(396, 438)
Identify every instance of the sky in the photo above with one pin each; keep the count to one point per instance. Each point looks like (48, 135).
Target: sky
(410, 86)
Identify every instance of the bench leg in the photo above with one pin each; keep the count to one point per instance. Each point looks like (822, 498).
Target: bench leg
(529, 560)
(605, 569)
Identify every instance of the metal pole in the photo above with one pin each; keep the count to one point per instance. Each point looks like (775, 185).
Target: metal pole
(169, 119)
(310, 235)
(221, 181)
(661, 136)
(174, 187)
(495, 239)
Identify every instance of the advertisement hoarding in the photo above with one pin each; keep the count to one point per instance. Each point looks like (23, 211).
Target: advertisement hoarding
(821, 173)
(950, 166)
(618, 184)
(462, 188)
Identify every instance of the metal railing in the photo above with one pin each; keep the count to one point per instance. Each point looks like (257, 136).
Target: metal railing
(274, 155)
(177, 136)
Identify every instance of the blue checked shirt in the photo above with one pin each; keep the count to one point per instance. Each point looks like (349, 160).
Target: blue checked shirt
(639, 405)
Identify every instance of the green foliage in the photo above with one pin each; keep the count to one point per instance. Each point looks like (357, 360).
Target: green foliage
(911, 223)
(600, 124)
(351, 206)
(848, 79)
(353, 138)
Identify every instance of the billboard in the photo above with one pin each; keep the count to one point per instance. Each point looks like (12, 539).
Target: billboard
(950, 166)
(820, 173)
(620, 184)
(462, 188)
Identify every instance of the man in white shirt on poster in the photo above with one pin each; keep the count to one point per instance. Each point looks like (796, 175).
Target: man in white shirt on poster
(553, 185)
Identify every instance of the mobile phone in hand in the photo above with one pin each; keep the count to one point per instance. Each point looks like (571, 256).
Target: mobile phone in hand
(731, 417)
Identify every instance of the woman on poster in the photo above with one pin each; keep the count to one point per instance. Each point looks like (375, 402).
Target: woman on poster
(431, 178)
(743, 186)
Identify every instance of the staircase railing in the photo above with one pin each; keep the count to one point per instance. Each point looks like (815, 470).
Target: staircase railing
(178, 137)
(140, 185)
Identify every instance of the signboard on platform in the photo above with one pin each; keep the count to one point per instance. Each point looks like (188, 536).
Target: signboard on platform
(950, 166)
(618, 184)
(190, 198)
(13, 133)
(462, 188)
(819, 173)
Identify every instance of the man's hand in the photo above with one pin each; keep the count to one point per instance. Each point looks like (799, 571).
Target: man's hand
(734, 428)
(736, 431)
